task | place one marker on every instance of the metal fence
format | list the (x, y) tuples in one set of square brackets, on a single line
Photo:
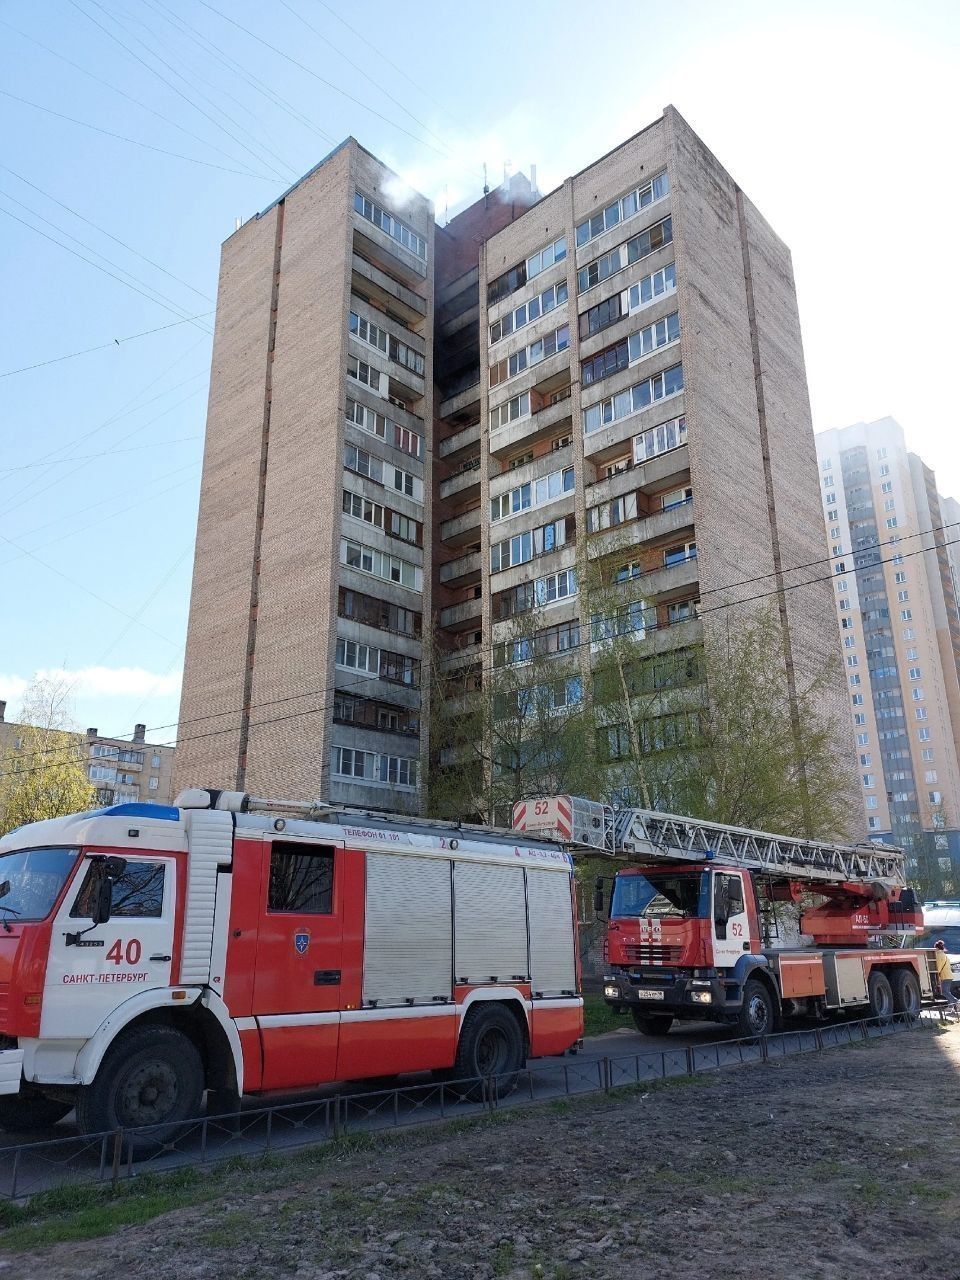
[(111, 1158)]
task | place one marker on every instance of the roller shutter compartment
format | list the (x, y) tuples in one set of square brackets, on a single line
[(491, 923), (552, 963), (408, 936)]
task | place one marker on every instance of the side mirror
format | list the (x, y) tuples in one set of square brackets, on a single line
[(5, 888), (598, 896), (110, 871)]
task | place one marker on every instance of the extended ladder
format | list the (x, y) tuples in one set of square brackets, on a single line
[(649, 834)]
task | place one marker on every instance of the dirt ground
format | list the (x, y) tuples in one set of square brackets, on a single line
[(837, 1167)]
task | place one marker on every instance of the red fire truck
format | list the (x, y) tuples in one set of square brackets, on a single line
[(150, 954), (692, 929)]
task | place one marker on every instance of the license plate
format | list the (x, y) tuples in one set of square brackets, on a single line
[(649, 995)]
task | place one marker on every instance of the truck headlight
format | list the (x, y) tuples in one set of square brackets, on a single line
[(701, 997), (611, 992)]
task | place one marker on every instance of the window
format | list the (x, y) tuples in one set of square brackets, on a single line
[(680, 554), (529, 311), (914, 672), (927, 754), (862, 740), (349, 762), (860, 718), (154, 784), (528, 545), (546, 257), (892, 522), (137, 894), (917, 694), (301, 878), (857, 699), (869, 780), (610, 514), (393, 227), (873, 823), (656, 285), (884, 470), (101, 773), (854, 681), (622, 209), (906, 615), (903, 597), (101, 751), (923, 734), (930, 775), (405, 528), (511, 411), (826, 464), (682, 611), (363, 463), (634, 399), (357, 657), (660, 439), (900, 576), (846, 624), (155, 761), (601, 316), (887, 486), (934, 797), (381, 564), (362, 509), (920, 713), (631, 349), (362, 373), (849, 641), (532, 494), (853, 660), (536, 594), (529, 356), (676, 498), (561, 442), (870, 802), (655, 237), (889, 505), (828, 482)]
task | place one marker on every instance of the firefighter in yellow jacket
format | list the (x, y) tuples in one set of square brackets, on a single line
[(945, 975)]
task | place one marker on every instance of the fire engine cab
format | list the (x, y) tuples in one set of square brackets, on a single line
[(229, 945)]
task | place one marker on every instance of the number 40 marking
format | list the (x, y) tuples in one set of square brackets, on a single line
[(131, 953)]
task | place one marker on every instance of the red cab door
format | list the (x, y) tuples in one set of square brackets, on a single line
[(296, 988)]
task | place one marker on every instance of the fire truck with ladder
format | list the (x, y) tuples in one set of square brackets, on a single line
[(226, 945), (692, 929)]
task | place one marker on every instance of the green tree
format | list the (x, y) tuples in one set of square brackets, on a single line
[(44, 776)]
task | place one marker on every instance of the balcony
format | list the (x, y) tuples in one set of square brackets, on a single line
[(461, 572), (612, 440), (462, 529), (555, 460), (675, 580), (375, 246), (462, 616), (461, 396), (649, 476), (372, 283), (468, 438), (465, 482), (658, 524), (542, 423)]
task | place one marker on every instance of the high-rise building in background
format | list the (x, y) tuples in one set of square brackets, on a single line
[(414, 432), (895, 581)]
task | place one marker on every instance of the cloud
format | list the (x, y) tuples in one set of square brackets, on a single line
[(98, 682)]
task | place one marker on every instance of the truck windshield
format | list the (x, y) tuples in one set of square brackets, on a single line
[(35, 877), (660, 893)]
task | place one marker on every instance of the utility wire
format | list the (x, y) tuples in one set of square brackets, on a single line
[(174, 308), (103, 231), (216, 123), (114, 342), (148, 146), (346, 685), (123, 94), (310, 72), (211, 48), (106, 453)]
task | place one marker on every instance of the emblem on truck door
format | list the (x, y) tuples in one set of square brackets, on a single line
[(301, 941)]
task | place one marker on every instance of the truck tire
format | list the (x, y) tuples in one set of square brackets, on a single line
[(906, 991), (758, 1013), (880, 996), (491, 1044), (150, 1076), (21, 1113), (652, 1024)]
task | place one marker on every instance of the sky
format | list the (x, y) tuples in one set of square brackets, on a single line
[(136, 132)]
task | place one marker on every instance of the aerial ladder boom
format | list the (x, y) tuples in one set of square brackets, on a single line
[(650, 835)]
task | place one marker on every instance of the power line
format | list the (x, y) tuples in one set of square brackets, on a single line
[(123, 94), (347, 685), (357, 67), (123, 244), (135, 141), (114, 342), (174, 308), (210, 47), (310, 72), (216, 123), (106, 453)]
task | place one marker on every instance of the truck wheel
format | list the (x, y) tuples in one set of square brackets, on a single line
[(652, 1024), (20, 1114), (880, 995), (150, 1076), (757, 1016), (906, 991), (491, 1044)]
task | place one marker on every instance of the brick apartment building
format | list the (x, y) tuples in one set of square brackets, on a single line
[(895, 566), (412, 430), (123, 770)]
